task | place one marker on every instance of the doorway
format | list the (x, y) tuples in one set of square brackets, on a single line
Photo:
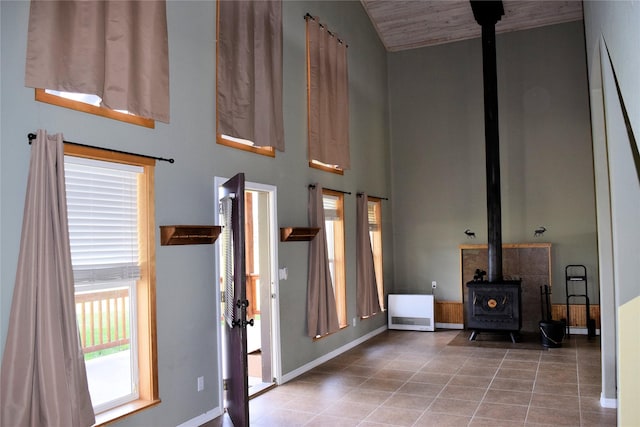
[(263, 338), (259, 290)]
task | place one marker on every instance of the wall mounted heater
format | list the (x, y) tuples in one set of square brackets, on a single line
[(411, 312)]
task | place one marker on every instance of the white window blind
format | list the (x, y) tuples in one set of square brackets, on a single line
[(103, 216), (372, 215), (330, 205)]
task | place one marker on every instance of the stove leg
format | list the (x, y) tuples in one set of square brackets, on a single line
[(473, 336), (514, 337)]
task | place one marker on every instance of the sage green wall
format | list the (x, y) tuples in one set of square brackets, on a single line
[(438, 162), (186, 277), (369, 160)]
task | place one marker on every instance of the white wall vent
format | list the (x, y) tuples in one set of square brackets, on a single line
[(412, 312)]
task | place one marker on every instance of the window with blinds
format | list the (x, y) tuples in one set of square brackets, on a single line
[(333, 203), (109, 198), (102, 208), (374, 213)]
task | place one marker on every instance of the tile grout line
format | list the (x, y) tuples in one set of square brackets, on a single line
[(488, 387), (380, 405), (533, 387), (420, 370), (453, 374), (409, 379), (578, 382)]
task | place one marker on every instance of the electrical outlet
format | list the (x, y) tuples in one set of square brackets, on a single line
[(433, 284), (200, 383), (354, 321)]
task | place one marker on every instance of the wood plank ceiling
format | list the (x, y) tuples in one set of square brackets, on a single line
[(409, 24)]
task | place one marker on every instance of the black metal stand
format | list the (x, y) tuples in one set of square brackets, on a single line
[(575, 274)]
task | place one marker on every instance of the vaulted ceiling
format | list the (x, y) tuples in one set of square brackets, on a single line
[(408, 24)]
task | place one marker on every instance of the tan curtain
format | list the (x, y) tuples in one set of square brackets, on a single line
[(366, 285), (249, 98), (43, 380), (328, 97), (115, 49), (322, 315)]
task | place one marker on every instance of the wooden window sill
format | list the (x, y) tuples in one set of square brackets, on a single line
[(265, 151), (48, 98), (120, 412), (328, 335), (321, 167)]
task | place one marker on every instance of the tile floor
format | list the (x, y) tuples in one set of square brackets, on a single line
[(403, 378)]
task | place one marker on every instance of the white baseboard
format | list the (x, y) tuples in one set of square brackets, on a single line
[(449, 325), (574, 330), (202, 418), (320, 360), (608, 403)]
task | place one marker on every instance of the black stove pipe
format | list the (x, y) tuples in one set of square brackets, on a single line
[(487, 14)]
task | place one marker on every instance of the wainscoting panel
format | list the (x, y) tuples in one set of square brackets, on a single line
[(578, 315), (449, 312), (452, 312)]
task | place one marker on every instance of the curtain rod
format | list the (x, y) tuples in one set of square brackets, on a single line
[(32, 136), (369, 195), (330, 189), (309, 16)]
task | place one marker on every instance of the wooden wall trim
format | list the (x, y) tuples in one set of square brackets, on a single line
[(506, 245)]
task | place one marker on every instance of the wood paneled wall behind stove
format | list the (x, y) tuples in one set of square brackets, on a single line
[(530, 262)]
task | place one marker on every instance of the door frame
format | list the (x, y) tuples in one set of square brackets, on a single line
[(276, 359)]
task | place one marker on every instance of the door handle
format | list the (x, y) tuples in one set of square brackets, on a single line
[(240, 303), (242, 323)]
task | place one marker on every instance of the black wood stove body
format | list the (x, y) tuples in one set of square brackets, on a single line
[(494, 307), (494, 304)]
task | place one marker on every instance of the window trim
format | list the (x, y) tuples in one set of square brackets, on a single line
[(340, 283), (48, 98), (146, 286)]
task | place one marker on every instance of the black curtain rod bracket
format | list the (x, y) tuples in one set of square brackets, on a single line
[(371, 195), (32, 136), (330, 189)]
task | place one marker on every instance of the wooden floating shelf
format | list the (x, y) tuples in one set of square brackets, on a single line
[(189, 234), (298, 234)]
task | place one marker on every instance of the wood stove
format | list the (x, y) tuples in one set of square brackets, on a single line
[(494, 307), (494, 304)]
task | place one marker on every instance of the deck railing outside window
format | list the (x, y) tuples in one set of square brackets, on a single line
[(103, 319)]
